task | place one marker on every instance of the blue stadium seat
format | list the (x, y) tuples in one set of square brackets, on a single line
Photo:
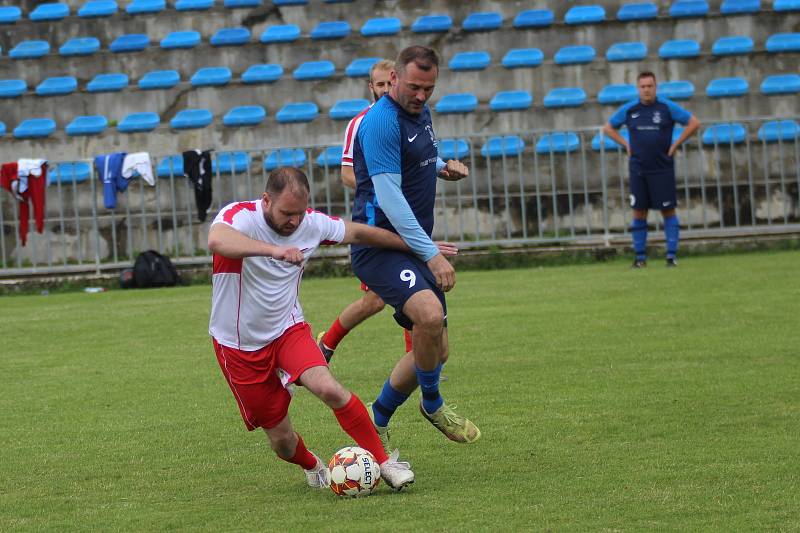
[(734, 45), (585, 15), (724, 133), (290, 2), (211, 76), (246, 115), (77, 172), (681, 48), (453, 148), (180, 39), (676, 90), (230, 37), (607, 142), (314, 70), (347, 109), (98, 8), (617, 94), (10, 14), (381, 26), (12, 88), (234, 4), (2, 128), (285, 33), (87, 125), (509, 145), (337, 1), (786, 5), (483, 21), (111, 82), (139, 122), (80, 46), (334, 29), (170, 166), (266, 73), (565, 97), (737, 7), (188, 119), (779, 130), (688, 8), (574, 55), (135, 42), (159, 79), (141, 7), (330, 157), (637, 11), (534, 18), (558, 143), (781, 84), (285, 157), (30, 50), (457, 103), (49, 12), (297, 112), (35, 128), (56, 86), (633, 51), (727, 87), (432, 24), (478, 60), (193, 5), (511, 101), (360, 67), (230, 163), (783, 42), (523, 57)]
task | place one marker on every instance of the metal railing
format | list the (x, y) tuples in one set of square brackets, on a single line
[(541, 193)]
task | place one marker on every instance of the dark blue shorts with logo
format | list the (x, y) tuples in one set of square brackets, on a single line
[(653, 189)]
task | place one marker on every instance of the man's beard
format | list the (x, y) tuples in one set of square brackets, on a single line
[(275, 228)]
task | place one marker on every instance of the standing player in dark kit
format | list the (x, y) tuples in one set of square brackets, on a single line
[(650, 121)]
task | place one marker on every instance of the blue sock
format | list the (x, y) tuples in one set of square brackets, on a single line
[(672, 230), (429, 385), (386, 404), (639, 235)]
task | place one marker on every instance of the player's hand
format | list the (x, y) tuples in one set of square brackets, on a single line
[(672, 150), (454, 171), (290, 255), (628, 148), (447, 249), (443, 271)]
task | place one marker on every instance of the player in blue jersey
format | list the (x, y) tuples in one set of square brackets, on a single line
[(396, 163), (650, 121)]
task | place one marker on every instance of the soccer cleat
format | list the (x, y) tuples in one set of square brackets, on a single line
[(383, 431), (327, 352), (639, 263), (318, 477), (396, 474), (672, 262), (454, 426)]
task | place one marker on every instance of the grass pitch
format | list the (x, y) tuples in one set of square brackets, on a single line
[(609, 399)]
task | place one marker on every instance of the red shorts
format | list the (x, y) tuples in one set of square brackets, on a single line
[(258, 379)]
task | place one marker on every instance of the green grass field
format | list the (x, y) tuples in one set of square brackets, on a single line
[(609, 399)]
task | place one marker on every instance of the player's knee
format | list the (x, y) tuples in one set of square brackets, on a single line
[(330, 391), (430, 320), (282, 443), (372, 304)]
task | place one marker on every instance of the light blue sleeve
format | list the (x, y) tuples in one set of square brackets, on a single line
[(679, 114), (379, 134), (394, 205), (617, 120), (440, 164)]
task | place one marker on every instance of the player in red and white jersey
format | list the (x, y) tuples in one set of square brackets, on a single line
[(260, 337), (370, 303)]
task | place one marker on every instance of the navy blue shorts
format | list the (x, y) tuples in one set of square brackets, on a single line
[(395, 277), (653, 189)]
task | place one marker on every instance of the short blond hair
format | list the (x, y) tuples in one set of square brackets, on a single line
[(384, 64)]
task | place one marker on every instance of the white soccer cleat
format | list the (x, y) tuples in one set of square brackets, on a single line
[(396, 474), (318, 477)]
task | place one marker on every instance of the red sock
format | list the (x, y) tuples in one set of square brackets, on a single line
[(302, 456), (334, 335), (407, 337), (355, 421)]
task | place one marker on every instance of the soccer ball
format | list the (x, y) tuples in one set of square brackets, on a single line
[(354, 472)]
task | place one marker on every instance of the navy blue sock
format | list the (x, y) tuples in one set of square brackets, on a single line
[(386, 404), (639, 236), (672, 230), (429, 385)]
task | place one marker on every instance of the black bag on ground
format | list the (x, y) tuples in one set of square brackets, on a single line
[(152, 269)]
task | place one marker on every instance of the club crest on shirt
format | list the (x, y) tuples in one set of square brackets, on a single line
[(432, 135), (657, 117)]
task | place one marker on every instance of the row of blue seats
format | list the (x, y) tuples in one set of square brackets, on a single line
[(495, 147), (479, 21)]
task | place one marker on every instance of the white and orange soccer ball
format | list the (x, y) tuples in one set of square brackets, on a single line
[(354, 472)]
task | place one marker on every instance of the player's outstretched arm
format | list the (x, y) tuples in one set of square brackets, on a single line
[(228, 242), (612, 132), (355, 233), (688, 131)]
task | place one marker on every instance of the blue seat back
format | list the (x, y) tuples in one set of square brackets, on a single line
[(134, 42), (180, 39), (679, 48), (314, 70), (724, 133), (360, 67), (211, 76), (483, 21), (381, 26), (617, 94), (87, 125), (230, 37), (630, 51), (477, 60), (57, 85), (736, 7), (637, 11), (10, 14), (688, 8), (565, 97), (137, 122), (80, 46), (69, 172), (335, 29), (534, 18), (98, 8), (781, 84), (726, 87), (30, 50), (246, 115), (12, 88), (523, 57), (347, 109), (297, 112), (604, 142), (170, 166), (577, 54), (159, 79), (285, 157), (266, 73), (191, 119), (783, 42), (432, 24), (779, 130), (230, 163), (114, 81), (558, 142), (676, 90), (585, 14), (284, 33), (786, 5), (139, 7), (193, 5), (35, 128), (49, 12), (733, 45), (508, 145), (453, 149), (457, 103), (330, 157), (511, 101)]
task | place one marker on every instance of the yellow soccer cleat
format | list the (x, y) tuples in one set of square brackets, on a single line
[(453, 425)]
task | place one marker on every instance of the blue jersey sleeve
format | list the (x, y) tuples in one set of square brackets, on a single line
[(379, 133), (679, 114), (617, 120)]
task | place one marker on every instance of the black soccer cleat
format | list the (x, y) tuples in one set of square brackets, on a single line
[(327, 352), (639, 263), (672, 262)]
